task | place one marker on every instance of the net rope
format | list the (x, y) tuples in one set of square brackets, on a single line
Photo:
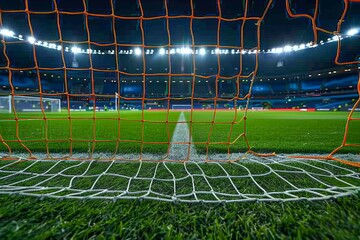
[(276, 179), (24, 174)]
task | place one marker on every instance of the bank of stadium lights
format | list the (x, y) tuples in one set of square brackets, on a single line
[(183, 51)]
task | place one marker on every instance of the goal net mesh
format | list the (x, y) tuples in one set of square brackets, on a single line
[(119, 155)]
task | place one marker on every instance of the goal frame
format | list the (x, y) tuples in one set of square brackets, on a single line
[(38, 99)]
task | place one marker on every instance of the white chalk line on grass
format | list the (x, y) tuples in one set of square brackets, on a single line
[(181, 142)]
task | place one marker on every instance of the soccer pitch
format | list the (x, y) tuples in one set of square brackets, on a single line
[(280, 132), (108, 217)]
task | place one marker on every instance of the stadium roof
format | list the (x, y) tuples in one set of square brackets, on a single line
[(280, 34)]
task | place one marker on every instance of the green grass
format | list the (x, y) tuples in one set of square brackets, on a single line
[(25, 217), (33, 218), (280, 132), (106, 129)]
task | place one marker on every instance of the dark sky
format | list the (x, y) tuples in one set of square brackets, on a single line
[(276, 29)]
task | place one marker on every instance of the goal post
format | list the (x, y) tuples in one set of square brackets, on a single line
[(29, 104)]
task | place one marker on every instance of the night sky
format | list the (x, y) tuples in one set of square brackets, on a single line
[(277, 29), (192, 23)]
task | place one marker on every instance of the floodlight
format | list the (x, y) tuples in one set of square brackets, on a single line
[(52, 45), (75, 50), (137, 51), (7, 32), (295, 47), (287, 48), (302, 46), (162, 51), (352, 32), (202, 51), (185, 50), (31, 40), (279, 50)]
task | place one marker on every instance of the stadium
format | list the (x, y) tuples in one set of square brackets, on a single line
[(179, 119)]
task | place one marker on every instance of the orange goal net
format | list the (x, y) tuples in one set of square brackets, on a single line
[(132, 99), (96, 71)]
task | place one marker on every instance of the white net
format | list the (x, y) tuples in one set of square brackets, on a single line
[(70, 149), (280, 178)]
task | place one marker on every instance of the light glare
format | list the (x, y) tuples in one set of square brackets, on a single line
[(162, 51), (31, 40), (137, 51), (75, 50), (352, 32), (7, 32), (287, 48)]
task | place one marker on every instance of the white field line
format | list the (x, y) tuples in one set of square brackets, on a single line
[(180, 143)]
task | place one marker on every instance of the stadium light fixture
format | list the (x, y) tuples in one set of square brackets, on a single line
[(7, 33), (295, 47), (202, 51), (52, 45), (137, 51), (31, 40), (75, 50), (185, 50), (352, 32), (162, 51), (302, 46), (287, 48), (279, 50)]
